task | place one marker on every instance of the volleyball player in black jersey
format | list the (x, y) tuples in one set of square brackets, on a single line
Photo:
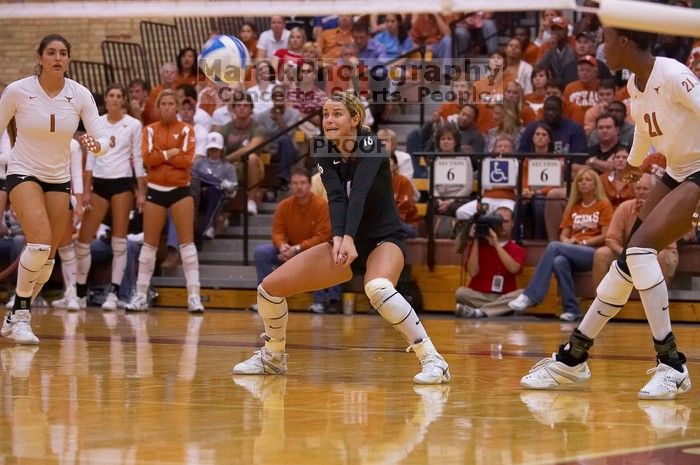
[(367, 237)]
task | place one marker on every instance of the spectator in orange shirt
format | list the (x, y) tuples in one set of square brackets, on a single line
[(619, 233), (331, 41), (187, 70), (140, 107), (301, 221), (539, 79), (617, 189), (403, 196), (530, 50), (581, 95), (434, 32), (583, 229), (585, 44), (168, 80)]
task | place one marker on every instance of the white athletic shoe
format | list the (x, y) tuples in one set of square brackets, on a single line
[(666, 383), (521, 303), (17, 327), (434, 368), (75, 303), (110, 303), (263, 362), (194, 304), (18, 360), (549, 373), (138, 303)]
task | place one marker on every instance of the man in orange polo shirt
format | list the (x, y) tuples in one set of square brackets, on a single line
[(301, 221)]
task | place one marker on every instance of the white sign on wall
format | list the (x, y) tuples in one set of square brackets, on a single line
[(544, 172)]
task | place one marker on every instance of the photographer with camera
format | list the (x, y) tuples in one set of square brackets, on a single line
[(492, 263)]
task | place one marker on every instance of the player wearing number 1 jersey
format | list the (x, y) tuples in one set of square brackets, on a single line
[(666, 110), (47, 108)]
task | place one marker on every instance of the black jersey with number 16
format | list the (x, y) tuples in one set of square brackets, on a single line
[(360, 193)]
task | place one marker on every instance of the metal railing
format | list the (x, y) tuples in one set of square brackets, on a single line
[(244, 173), (93, 75), (477, 158), (125, 59), (161, 45)]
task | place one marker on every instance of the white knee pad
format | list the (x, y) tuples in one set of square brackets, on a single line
[(82, 254), (380, 292), (147, 259), (615, 288), (190, 266), (644, 268), (188, 253), (34, 256), (270, 307), (118, 246)]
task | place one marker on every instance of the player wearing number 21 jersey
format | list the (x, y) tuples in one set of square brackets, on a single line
[(667, 117)]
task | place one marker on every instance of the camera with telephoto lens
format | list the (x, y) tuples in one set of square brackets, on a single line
[(483, 223)]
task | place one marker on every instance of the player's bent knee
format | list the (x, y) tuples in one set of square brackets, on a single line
[(381, 293), (35, 256), (644, 267), (603, 255)]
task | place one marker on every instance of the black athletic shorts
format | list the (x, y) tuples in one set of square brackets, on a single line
[(13, 180), (107, 188), (365, 247), (672, 183), (167, 198)]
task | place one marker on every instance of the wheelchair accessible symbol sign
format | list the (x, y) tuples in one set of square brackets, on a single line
[(499, 172)]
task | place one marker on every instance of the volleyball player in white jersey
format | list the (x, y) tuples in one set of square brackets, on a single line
[(112, 180), (47, 108), (69, 264), (665, 98)]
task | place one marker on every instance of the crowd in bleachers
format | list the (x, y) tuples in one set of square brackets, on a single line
[(548, 92)]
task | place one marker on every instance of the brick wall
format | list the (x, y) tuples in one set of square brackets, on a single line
[(20, 39)]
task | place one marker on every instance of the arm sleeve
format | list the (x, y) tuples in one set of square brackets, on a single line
[(337, 199), (640, 146), (151, 156), (8, 106), (5, 150), (322, 233), (366, 172), (136, 154), (76, 167), (90, 161), (186, 156), (93, 124)]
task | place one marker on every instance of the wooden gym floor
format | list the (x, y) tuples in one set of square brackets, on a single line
[(156, 388)]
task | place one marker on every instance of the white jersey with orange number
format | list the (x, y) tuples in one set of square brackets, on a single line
[(667, 116), (123, 151), (45, 127)]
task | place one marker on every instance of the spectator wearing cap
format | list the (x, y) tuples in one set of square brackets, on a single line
[(561, 52), (217, 180), (582, 94), (585, 45)]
